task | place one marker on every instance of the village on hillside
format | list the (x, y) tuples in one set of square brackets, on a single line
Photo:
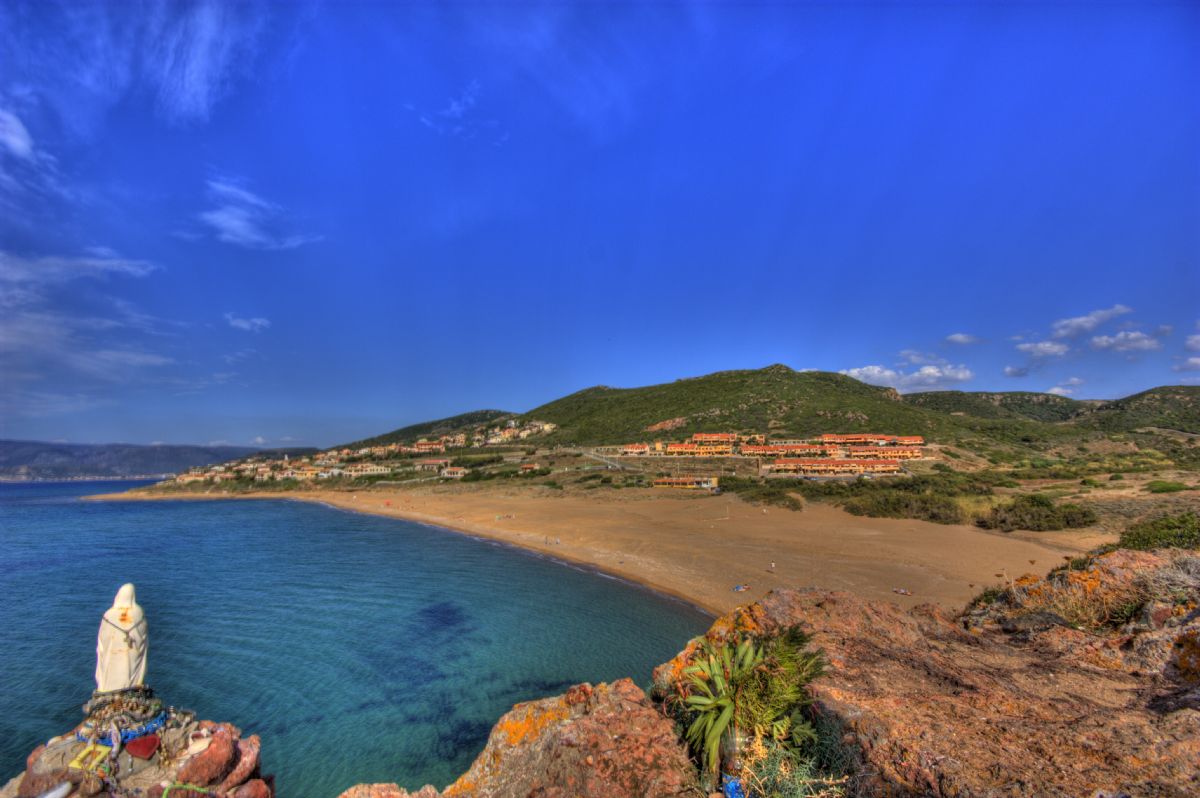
[(826, 456)]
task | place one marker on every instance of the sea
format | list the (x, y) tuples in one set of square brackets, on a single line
[(361, 649)]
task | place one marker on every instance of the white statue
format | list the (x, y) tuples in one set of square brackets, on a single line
[(122, 643)]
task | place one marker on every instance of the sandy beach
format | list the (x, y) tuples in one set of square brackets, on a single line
[(699, 547)]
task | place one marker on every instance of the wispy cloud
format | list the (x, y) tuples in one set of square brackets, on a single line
[(1043, 349), (461, 118), (41, 339), (245, 219), (1016, 371), (16, 270), (256, 324), (1192, 344), (186, 56), (1080, 325), (1127, 341), (963, 339)]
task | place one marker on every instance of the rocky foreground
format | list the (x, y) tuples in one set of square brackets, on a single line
[(1009, 699), (195, 758)]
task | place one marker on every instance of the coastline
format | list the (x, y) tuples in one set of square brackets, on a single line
[(686, 547)]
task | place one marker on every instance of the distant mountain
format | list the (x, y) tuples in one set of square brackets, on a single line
[(40, 460), (432, 429)]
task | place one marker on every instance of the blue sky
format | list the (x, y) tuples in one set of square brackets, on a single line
[(304, 223)]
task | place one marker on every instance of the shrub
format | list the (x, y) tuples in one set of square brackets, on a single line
[(900, 504), (1038, 514), (1181, 530), (776, 492), (1163, 486), (1116, 478)]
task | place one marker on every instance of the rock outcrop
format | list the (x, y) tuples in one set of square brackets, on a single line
[(592, 742), (941, 705)]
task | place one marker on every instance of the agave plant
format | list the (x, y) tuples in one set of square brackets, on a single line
[(715, 681), (760, 689)]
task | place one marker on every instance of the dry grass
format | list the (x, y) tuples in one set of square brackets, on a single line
[(1083, 599)]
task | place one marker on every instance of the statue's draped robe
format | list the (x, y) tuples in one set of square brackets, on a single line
[(121, 644)]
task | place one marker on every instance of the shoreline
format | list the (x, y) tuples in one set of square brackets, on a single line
[(670, 544)]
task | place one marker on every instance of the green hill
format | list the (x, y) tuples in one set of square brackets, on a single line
[(464, 422), (1174, 407), (1016, 404), (775, 399)]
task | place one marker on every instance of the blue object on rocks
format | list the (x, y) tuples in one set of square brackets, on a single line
[(733, 787)]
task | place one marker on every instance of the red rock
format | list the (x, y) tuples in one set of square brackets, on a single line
[(33, 755), (247, 763), (255, 788), (213, 763)]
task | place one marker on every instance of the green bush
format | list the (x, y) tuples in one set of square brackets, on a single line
[(1038, 514), (1181, 530), (1116, 478), (1163, 486)]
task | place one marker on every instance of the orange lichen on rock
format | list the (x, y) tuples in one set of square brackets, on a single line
[(1187, 655), (531, 719)]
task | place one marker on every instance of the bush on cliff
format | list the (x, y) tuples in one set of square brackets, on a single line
[(1038, 514)]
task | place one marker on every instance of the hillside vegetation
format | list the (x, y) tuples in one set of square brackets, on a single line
[(432, 429)]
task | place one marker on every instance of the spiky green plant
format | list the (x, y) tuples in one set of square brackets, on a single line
[(715, 680)]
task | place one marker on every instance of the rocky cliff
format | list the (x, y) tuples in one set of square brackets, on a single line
[(1008, 699)]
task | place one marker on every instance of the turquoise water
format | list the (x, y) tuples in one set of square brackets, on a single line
[(362, 649)]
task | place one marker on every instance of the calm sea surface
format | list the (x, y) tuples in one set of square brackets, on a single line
[(362, 649)]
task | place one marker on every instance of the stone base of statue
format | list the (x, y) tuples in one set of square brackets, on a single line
[(131, 744)]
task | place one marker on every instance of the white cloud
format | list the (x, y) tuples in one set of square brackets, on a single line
[(926, 377), (1066, 387), (1016, 371), (258, 440), (14, 137), (1193, 343), (1191, 364), (1078, 325), (1043, 349), (961, 338), (256, 324), (1127, 341), (245, 219)]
